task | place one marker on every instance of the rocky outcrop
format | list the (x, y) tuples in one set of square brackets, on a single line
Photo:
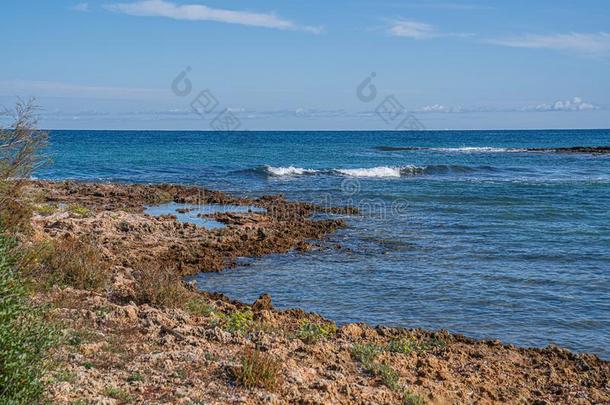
[(117, 351)]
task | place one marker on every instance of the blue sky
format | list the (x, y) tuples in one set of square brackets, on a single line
[(297, 65)]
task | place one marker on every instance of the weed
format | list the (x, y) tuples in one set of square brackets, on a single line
[(135, 377), (366, 353), (46, 209), (388, 375), (199, 307), (79, 210), (310, 332), (118, 394), (412, 399), (65, 376), (257, 369), (404, 346), (239, 321)]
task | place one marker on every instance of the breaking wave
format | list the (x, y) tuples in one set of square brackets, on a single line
[(464, 149), (370, 172)]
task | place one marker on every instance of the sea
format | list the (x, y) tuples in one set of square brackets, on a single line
[(459, 230)]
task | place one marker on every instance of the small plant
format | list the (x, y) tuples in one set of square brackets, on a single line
[(437, 342), (199, 307), (389, 377), (310, 332), (412, 399), (118, 394), (366, 353), (46, 209), (239, 321), (135, 377), (79, 210), (404, 346), (257, 369)]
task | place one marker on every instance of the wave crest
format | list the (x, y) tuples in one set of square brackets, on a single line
[(288, 171), (373, 172)]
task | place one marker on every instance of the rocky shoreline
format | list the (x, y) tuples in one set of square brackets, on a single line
[(121, 350)]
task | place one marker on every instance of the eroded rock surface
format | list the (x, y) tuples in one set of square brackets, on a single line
[(121, 352)]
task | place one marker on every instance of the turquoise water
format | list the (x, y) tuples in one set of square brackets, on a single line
[(468, 232), (192, 213)]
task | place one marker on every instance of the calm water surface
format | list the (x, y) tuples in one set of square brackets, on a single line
[(468, 233)]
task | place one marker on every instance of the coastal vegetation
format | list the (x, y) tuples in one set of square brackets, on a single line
[(25, 333), (257, 369)]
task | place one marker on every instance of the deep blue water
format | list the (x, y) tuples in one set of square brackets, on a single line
[(471, 234)]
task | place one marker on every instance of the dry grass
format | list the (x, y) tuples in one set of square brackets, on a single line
[(161, 287), (69, 261), (257, 369)]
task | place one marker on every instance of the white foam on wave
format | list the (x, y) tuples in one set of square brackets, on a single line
[(478, 149), (381, 171), (288, 171)]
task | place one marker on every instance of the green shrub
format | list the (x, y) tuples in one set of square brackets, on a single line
[(310, 332), (239, 321), (366, 353), (25, 337)]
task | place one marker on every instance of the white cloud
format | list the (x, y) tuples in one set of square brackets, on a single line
[(590, 43), (576, 104), (439, 108), (82, 7), (412, 29), (418, 30), (27, 88), (199, 12)]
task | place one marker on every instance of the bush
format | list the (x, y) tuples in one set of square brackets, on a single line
[(257, 369), (161, 287), (24, 337), (20, 148), (239, 321), (70, 262)]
